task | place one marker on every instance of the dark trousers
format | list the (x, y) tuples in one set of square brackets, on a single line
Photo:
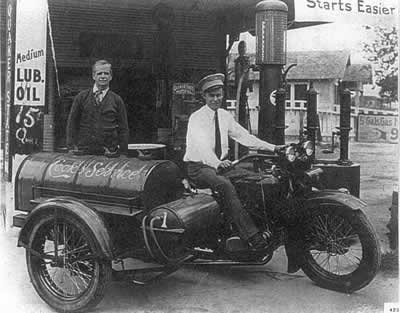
[(205, 176)]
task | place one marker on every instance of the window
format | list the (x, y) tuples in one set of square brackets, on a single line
[(288, 89), (337, 96), (288, 95), (296, 95), (300, 92), (300, 95)]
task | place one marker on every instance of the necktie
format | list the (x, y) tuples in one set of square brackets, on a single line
[(218, 148), (97, 96)]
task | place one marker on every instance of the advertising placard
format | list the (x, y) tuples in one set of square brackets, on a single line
[(30, 53), (30, 74), (371, 12), (183, 89), (378, 128)]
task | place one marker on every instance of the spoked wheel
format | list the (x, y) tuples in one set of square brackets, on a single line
[(64, 268), (341, 249)]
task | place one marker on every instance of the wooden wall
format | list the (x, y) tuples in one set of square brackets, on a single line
[(195, 34)]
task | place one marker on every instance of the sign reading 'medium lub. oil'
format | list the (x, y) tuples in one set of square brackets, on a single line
[(30, 74), (30, 53)]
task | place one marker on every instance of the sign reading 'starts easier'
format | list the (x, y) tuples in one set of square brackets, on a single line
[(378, 128), (30, 52), (368, 12)]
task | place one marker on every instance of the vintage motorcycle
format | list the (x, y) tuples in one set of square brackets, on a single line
[(90, 218)]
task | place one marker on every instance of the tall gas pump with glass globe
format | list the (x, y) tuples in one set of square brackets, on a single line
[(271, 27)]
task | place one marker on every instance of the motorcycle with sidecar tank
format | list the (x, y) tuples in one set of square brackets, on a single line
[(90, 218)]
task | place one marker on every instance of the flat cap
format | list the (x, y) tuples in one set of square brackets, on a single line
[(211, 81)]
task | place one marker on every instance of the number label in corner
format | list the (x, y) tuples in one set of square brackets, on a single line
[(390, 307)]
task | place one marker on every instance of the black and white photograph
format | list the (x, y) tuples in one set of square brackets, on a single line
[(199, 156)]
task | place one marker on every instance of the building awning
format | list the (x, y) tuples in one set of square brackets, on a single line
[(239, 15)]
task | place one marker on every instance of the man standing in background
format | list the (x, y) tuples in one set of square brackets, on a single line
[(97, 122)]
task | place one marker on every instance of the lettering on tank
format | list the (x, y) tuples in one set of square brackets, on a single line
[(63, 168)]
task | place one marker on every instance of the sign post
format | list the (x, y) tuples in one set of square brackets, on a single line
[(6, 113), (7, 130)]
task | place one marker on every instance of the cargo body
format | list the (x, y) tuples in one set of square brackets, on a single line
[(115, 185)]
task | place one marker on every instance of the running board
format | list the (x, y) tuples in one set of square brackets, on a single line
[(264, 261)]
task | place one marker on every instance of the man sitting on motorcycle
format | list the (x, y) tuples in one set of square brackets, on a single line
[(207, 148)]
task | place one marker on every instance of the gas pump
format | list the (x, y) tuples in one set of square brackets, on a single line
[(271, 27), (341, 173)]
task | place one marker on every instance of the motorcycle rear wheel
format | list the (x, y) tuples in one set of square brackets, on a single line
[(341, 249)]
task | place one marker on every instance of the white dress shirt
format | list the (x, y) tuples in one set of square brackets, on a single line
[(102, 93), (200, 138)]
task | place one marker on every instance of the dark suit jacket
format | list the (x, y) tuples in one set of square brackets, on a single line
[(93, 127)]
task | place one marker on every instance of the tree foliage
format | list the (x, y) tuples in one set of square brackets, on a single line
[(383, 53)]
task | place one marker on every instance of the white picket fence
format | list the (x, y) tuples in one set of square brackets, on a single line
[(296, 118)]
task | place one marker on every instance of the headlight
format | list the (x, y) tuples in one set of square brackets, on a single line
[(290, 154), (308, 148)]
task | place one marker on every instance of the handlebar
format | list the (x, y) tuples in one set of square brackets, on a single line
[(253, 156)]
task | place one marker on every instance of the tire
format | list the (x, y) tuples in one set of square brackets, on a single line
[(346, 237), (77, 281)]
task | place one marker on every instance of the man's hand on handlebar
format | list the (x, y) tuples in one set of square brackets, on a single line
[(224, 165), (279, 149)]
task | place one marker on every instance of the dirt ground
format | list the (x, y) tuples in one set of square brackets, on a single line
[(379, 168), (266, 289)]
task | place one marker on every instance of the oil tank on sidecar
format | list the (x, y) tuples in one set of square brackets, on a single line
[(112, 185)]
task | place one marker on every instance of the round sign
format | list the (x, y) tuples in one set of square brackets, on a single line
[(272, 97)]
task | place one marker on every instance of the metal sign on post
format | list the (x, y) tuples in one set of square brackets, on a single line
[(378, 128), (272, 97), (30, 74)]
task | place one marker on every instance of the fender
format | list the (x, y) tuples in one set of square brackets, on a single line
[(314, 199), (334, 197), (60, 205)]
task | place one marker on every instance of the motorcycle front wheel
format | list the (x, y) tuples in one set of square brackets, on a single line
[(340, 248), (64, 268)]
